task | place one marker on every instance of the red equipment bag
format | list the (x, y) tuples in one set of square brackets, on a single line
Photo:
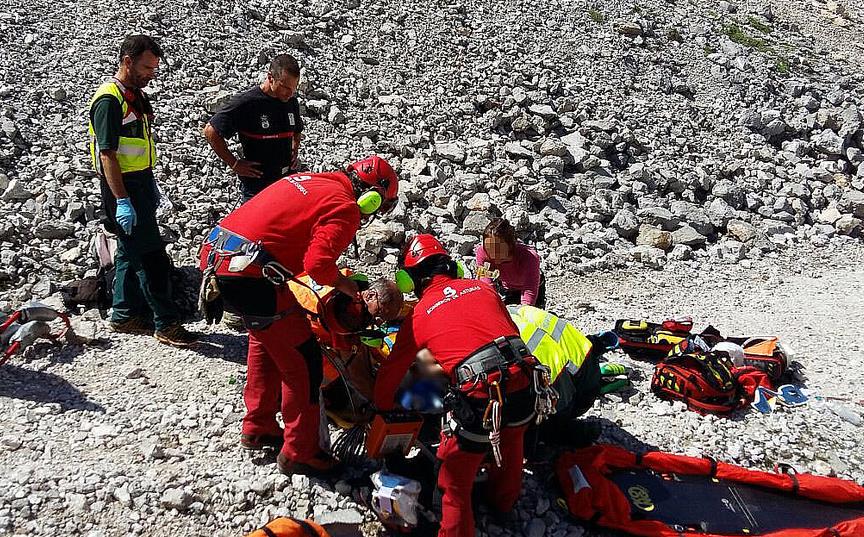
[(705, 382), (664, 495)]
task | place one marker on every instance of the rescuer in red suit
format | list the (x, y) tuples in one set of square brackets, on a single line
[(466, 328), (300, 224)]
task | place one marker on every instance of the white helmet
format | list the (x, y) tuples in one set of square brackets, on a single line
[(735, 351)]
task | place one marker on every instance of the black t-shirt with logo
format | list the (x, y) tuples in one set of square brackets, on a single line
[(266, 128)]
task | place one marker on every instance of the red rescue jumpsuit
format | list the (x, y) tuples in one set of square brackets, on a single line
[(454, 318), (305, 222)]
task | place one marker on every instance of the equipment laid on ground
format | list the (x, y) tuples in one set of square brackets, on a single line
[(24, 326), (395, 500), (664, 495), (651, 341), (705, 382)]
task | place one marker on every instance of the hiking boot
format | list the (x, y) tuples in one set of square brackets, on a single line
[(321, 465), (257, 442), (132, 325), (176, 336)]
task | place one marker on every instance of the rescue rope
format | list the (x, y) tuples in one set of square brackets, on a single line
[(495, 433)]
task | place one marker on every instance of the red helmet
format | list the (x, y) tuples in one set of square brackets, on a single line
[(378, 173), (421, 248)]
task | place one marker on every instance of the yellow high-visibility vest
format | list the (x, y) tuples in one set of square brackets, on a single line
[(552, 340), (136, 150)]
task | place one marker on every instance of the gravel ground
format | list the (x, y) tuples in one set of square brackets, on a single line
[(720, 142), (138, 437)]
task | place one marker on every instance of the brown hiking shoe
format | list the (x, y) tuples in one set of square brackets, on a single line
[(321, 465), (176, 336), (132, 325), (257, 442)]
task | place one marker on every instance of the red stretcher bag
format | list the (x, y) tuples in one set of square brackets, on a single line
[(664, 495)]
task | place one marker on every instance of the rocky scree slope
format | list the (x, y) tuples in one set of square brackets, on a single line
[(610, 134)]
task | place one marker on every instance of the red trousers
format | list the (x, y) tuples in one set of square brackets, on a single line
[(456, 480), (284, 363)]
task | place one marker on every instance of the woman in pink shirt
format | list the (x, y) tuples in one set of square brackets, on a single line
[(519, 280)]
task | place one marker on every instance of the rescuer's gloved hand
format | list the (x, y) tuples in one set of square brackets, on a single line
[(125, 215)]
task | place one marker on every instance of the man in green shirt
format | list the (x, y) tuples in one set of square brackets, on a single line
[(123, 152)]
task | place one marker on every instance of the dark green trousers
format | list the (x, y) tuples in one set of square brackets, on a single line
[(142, 279)]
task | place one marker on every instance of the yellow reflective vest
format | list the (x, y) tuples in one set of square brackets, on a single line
[(136, 150), (552, 340)]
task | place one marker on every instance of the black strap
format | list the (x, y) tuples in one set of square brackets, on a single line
[(268, 531), (639, 457), (713, 462), (307, 528), (595, 517), (795, 485)]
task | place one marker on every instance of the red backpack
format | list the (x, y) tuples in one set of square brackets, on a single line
[(705, 382)]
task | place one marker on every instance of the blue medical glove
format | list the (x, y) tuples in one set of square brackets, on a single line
[(126, 216)]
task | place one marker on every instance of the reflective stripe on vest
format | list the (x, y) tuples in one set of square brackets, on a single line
[(553, 341), (133, 154)]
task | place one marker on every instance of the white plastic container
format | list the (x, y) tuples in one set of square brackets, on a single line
[(395, 499)]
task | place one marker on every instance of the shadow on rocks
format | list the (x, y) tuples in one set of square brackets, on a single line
[(60, 352), (228, 347), (612, 433), (43, 387)]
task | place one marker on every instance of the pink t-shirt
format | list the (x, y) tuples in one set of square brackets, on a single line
[(521, 273)]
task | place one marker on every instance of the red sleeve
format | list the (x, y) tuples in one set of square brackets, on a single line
[(393, 370), (330, 237), (532, 282), (480, 258)]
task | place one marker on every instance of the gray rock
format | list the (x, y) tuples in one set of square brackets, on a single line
[(649, 256), (850, 121), (340, 516), (658, 216), (828, 142), (732, 251), (16, 191), (53, 229), (656, 238), (475, 223), (175, 498), (78, 502), (848, 225), (828, 216), (719, 212), (681, 252), (536, 528), (335, 116), (631, 29), (741, 230), (452, 151), (626, 224), (852, 202), (543, 110), (516, 149), (575, 144), (687, 235), (553, 147)]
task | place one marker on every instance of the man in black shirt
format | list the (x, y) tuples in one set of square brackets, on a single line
[(267, 120)]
